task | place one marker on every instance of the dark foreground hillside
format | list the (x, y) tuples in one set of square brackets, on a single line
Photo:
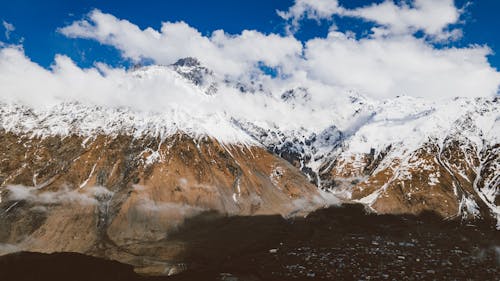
[(331, 244)]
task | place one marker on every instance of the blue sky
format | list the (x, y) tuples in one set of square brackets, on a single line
[(36, 23)]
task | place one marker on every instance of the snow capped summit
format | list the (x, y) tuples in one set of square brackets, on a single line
[(187, 62), (191, 69), (295, 96)]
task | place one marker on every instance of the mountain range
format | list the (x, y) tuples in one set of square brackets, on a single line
[(113, 181)]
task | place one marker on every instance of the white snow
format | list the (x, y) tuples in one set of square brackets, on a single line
[(371, 198), (84, 183), (469, 206)]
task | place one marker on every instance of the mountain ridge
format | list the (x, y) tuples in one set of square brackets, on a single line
[(114, 181), (366, 139)]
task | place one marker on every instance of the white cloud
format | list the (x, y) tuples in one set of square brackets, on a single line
[(224, 53), (387, 67), (310, 9), (433, 17), (9, 27)]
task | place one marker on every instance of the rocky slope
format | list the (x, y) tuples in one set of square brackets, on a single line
[(103, 193)]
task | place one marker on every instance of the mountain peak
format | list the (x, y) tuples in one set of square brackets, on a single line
[(191, 69), (187, 61)]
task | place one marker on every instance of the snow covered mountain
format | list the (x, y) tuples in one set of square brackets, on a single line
[(120, 177), (238, 148), (399, 155)]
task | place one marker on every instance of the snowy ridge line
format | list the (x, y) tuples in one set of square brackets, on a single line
[(404, 124), (88, 120), (188, 97), (475, 120), (395, 128)]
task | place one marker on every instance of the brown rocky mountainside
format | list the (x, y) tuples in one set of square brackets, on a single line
[(106, 195)]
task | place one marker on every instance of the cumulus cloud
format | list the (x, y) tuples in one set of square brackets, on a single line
[(387, 67), (222, 52), (378, 66), (156, 89), (433, 17), (324, 199), (9, 27), (310, 9)]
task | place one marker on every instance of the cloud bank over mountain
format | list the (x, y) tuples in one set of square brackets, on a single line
[(388, 61)]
